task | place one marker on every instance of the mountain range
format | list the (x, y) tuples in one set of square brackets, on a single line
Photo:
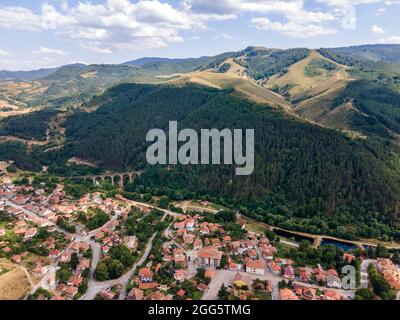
[(327, 125)]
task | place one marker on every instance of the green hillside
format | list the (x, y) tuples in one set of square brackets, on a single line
[(306, 177)]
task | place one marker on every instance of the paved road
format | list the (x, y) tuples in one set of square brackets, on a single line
[(226, 277), (95, 287), (364, 272), (96, 249)]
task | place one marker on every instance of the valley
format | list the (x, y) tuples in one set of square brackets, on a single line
[(327, 170)]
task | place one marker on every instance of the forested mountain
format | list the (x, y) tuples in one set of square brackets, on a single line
[(30, 75), (72, 85), (164, 66), (376, 52), (302, 171), (344, 182)]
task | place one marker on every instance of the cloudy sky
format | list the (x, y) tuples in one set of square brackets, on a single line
[(35, 34)]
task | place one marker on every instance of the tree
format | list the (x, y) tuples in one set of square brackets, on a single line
[(74, 261), (201, 273), (381, 251), (163, 202), (223, 293), (396, 258), (11, 168), (147, 197), (101, 273), (115, 269), (380, 285), (122, 254), (364, 294), (64, 274), (224, 261)]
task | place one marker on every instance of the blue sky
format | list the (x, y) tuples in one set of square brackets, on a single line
[(36, 34)]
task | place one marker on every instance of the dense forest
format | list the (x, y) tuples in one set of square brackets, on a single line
[(377, 52), (31, 126), (262, 63), (305, 177), (379, 105)]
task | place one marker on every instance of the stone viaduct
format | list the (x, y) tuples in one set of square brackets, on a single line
[(114, 178)]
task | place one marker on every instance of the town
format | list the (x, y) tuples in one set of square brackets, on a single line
[(99, 246)]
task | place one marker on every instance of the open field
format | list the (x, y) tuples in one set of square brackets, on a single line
[(14, 283), (302, 84), (235, 78)]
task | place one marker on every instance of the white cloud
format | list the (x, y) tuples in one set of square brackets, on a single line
[(299, 21), (50, 52), (292, 29), (109, 26), (222, 36), (235, 7), (377, 30), (391, 40), (4, 53), (346, 10), (380, 11)]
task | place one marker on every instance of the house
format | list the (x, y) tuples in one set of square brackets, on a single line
[(348, 257), (333, 282), (179, 225), (105, 249), (255, 266), (310, 293), (180, 293), (190, 224), (249, 244), (232, 266), (241, 281), (202, 287), (197, 244), (274, 268), (83, 265), (188, 238), (16, 258), (30, 233), (333, 295), (180, 275), (252, 254), (288, 272), (66, 256), (7, 250), (54, 254), (71, 291), (107, 294), (209, 274), (332, 272), (147, 285), (287, 294), (390, 271), (75, 281), (146, 275), (135, 294), (209, 257), (268, 251), (304, 276), (156, 296), (204, 230), (131, 242)]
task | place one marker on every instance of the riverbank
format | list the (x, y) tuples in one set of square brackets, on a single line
[(318, 240)]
